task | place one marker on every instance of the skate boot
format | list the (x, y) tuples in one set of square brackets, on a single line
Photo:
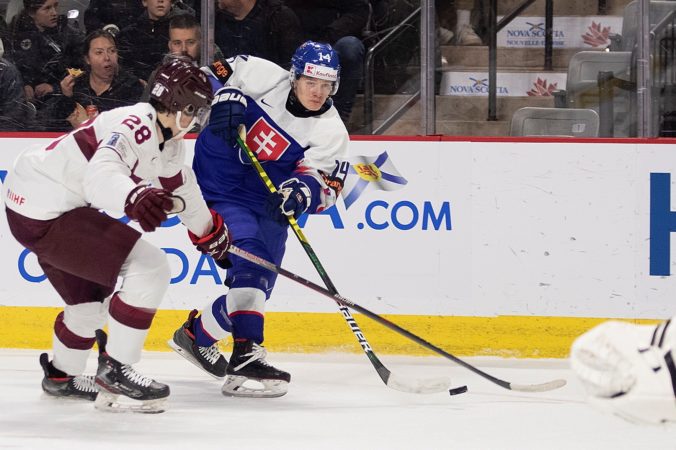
[(139, 393), (248, 365), (59, 384), (208, 359)]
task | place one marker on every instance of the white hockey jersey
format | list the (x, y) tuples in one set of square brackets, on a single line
[(98, 164), (313, 147)]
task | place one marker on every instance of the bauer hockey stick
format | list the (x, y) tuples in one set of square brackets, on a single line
[(390, 380), (542, 387)]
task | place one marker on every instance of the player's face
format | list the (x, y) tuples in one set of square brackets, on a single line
[(185, 42), (46, 16), (312, 92), (157, 8), (102, 58)]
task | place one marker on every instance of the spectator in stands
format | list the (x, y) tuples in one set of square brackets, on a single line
[(264, 28), (4, 35), (113, 15), (340, 23), (143, 44), (447, 15), (101, 87), (15, 112), (185, 37), (43, 45), (476, 32)]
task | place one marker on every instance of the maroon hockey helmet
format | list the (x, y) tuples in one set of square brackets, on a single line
[(181, 87)]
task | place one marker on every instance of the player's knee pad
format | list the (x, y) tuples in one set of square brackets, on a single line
[(146, 276), (85, 318)]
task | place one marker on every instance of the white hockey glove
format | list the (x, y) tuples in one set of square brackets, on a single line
[(628, 370), (291, 199)]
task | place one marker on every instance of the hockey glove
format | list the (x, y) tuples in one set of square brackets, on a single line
[(148, 206), (216, 243), (227, 113), (292, 199)]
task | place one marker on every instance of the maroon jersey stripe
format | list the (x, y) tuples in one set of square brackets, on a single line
[(86, 140), (131, 316), (172, 183), (70, 339)]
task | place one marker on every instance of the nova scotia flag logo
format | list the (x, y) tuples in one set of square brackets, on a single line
[(366, 171)]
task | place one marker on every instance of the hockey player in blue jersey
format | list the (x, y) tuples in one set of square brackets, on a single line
[(301, 141)]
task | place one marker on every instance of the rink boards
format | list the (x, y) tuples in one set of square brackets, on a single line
[(491, 247)]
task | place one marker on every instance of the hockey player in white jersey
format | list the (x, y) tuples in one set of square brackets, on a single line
[(629, 370), (129, 160), (298, 136)]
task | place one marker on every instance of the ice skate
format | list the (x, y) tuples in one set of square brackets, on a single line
[(249, 375), (123, 389), (208, 359), (59, 384)]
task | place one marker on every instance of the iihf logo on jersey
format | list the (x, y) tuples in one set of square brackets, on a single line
[(266, 142)]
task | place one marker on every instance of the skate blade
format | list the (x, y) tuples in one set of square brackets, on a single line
[(178, 349), (109, 402), (238, 386), (64, 398)]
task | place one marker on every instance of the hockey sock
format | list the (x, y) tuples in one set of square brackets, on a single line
[(217, 324)]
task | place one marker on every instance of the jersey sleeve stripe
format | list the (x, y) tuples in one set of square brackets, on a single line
[(86, 141)]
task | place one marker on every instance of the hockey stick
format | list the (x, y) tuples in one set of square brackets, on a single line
[(542, 387), (400, 384)]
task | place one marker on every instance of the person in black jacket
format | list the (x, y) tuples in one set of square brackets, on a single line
[(43, 45), (102, 86), (264, 28), (340, 23), (15, 112), (143, 44), (116, 13)]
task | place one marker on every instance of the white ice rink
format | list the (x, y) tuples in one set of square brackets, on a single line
[(334, 402)]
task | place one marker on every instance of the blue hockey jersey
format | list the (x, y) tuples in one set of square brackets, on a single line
[(312, 149)]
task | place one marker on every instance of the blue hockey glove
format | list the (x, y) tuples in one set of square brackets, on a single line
[(292, 199), (227, 113)]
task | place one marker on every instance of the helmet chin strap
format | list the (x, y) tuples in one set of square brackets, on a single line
[(183, 131)]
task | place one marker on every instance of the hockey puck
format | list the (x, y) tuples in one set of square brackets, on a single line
[(458, 390)]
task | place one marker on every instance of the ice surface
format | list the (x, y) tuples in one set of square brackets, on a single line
[(334, 402)]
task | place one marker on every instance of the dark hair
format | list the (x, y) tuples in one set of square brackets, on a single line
[(86, 44), (183, 22), (32, 5), (95, 35)]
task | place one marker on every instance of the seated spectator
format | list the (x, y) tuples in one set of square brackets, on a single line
[(185, 38), (102, 86), (15, 112), (43, 45), (476, 32), (143, 44), (340, 23), (113, 15), (264, 28), (4, 35)]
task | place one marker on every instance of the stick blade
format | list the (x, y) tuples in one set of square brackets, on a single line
[(543, 387), (419, 386)]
